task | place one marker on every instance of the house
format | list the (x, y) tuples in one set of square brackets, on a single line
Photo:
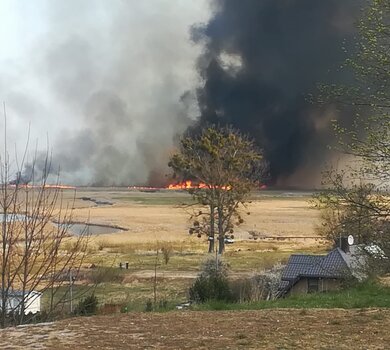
[(319, 273), (32, 301)]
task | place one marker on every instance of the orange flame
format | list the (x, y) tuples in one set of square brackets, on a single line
[(143, 188), (183, 185), (61, 187), (188, 184), (58, 186)]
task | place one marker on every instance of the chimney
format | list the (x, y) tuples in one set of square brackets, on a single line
[(343, 244)]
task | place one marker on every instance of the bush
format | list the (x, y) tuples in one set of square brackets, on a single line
[(212, 284), (264, 286), (149, 306), (210, 288), (87, 306), (167, 251), (245, 290)]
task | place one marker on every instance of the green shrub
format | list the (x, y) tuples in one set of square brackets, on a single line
[(87, 306), (149, 306), (212, 283), (210, 288)]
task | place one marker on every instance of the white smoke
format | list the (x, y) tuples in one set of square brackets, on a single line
[(102, 80)]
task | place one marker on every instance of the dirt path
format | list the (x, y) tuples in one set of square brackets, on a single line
[(264, 329), (147, 274)]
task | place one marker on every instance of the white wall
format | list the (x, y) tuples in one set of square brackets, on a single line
[(32, 303)]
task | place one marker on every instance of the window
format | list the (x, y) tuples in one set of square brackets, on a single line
[(312, 285)]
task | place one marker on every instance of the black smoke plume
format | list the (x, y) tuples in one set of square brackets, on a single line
[(262, 59)]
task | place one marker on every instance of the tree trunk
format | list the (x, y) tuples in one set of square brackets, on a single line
[(221, 245), (4, 285), (221, 234), (211, 245), (212, 226), (155, 281)]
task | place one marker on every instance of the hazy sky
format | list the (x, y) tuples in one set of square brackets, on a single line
[(104, 80)]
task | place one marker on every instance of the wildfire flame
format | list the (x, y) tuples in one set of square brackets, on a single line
[(182, 185), (144, 188), (57, 187), (188, 184), (61, 187)]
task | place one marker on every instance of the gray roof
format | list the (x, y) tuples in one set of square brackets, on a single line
[(336, 264), (332, 265), (284, 284)]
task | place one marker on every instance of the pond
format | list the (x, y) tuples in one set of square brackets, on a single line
[(12, 217)]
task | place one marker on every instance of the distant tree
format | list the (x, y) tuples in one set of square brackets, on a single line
[(226, 165), (352, 210), (348, 211), (368, 96), (356, 200)]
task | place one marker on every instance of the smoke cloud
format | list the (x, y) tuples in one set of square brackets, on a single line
[(104, 81), (113, 84), (261, 60)]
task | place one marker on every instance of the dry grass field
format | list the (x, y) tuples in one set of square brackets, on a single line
[(156, 219), (160, 216), (263, 329), (153, 220)]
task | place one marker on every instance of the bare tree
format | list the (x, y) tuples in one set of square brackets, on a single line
[(37, 252)]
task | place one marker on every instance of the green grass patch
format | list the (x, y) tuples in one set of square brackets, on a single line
[(362, 296), (133, 296), (187, 256), (253, 260)]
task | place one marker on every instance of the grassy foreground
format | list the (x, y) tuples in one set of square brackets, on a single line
[(365, 295)]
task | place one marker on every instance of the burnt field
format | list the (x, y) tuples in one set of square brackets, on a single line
[(264, 329)]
